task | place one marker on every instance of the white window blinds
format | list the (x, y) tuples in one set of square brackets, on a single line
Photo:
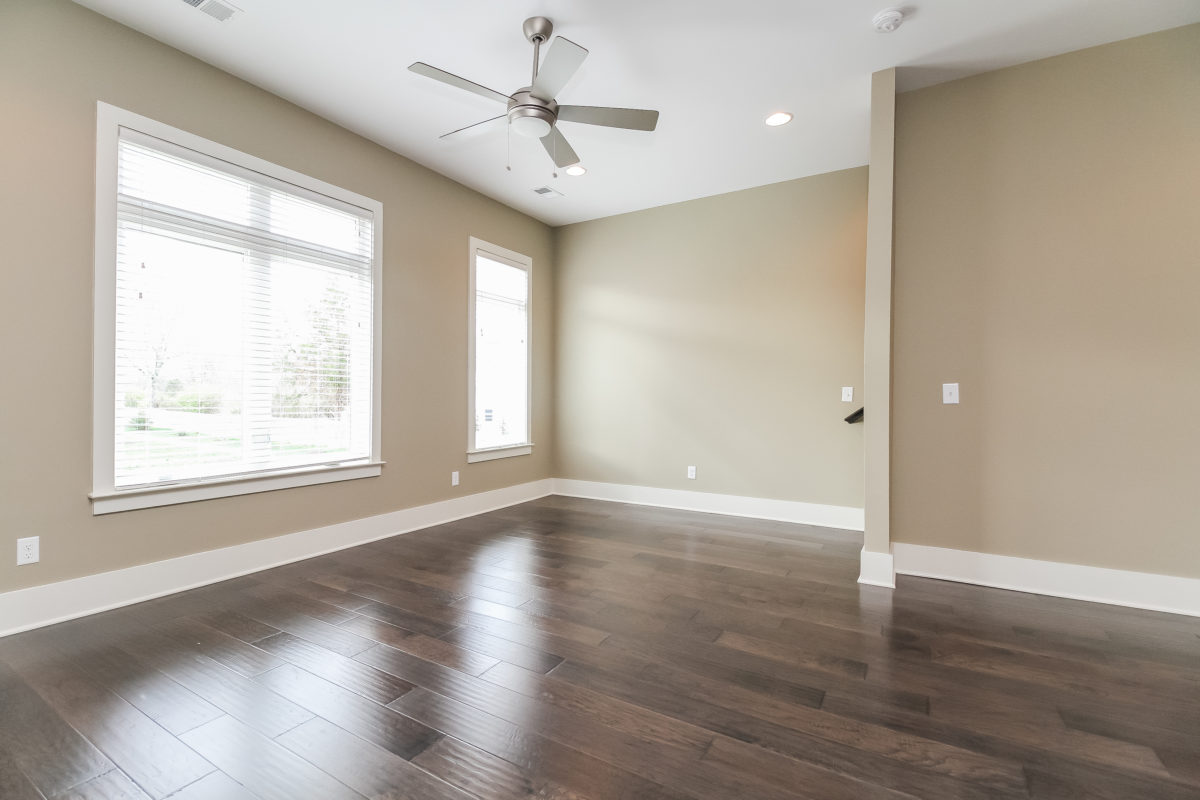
[(501, 354), (244, 327)]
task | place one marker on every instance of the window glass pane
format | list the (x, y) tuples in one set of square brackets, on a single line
[(501, 354), (172, 184), (180, 359), (157, 177), (319, 327), (236, 353), (297, 218)]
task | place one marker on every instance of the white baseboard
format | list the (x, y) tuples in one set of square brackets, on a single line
[(1075, 581), (877, 569), (844, 517), (37, 606)]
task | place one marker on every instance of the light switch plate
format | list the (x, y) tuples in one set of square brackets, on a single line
[(847, 394), (454, 478), (949, 393), (692, 473)]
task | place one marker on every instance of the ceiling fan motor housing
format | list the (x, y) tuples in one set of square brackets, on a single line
[(531, 116)]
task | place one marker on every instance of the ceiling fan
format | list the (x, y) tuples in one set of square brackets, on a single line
[(532, 110)]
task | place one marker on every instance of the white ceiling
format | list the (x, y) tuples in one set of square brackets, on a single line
[(713, 69)]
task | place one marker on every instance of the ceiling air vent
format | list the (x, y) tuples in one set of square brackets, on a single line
[(217, 9), (546, 191)]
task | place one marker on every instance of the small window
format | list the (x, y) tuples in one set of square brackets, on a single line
[(499, 350), (236, 322)]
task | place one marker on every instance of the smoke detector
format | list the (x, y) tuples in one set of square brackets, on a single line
[(888, 20)]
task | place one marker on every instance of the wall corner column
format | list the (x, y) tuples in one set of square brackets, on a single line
[(877, 567)]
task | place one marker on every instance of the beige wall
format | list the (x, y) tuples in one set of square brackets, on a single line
[(718, 333), (1048, 259), (56, 60)]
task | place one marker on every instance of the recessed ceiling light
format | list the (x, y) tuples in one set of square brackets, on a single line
[(778, 118), (576, 169)]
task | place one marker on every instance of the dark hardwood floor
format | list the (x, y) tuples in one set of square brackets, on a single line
[(586, 650)]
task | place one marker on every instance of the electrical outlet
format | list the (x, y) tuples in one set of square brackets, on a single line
[(454, 478), (847, 394), (950, 393), (692, 473), (27, 550)]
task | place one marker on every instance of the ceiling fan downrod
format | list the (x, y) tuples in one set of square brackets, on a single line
[(537, 30)]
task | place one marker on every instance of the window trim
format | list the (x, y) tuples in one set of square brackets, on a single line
[(519, 261), (106, 499)]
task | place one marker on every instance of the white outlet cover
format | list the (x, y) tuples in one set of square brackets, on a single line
[(454, 478), (692, 473), (28, 550), (949, 393), (847, 394)]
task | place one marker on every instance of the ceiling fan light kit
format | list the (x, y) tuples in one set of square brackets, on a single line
[(532, 111)]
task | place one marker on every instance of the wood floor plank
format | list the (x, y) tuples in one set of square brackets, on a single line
[(157, 761), (364, 718), (797, 775), (430, 622), (14, 784), (542, 762), (476, 640), (804, 655), (154, 694), (638, 750), (1048, 730), (239, 656), (265, 767), (368, 769), (582, 650), (574, 723), (214, 786), (487, 776), (51, 754), (114, 785), (475, 607), (603, 708), (347, 673), (236, 625), (236, 695), (806, 734), (290, 617), (1154, 728), (1070, 781), (442, 651)]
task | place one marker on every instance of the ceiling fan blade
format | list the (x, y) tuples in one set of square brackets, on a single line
[(557, 68), (635, 119), (454, 80), (471, 126), (560, 151)]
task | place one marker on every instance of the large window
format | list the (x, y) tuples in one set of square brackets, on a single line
[(236, 320), (499, 353)]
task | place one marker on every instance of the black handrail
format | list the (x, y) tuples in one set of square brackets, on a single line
[(857, 416)]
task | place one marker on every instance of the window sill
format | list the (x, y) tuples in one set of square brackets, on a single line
[(149, 497), (493, 453)]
